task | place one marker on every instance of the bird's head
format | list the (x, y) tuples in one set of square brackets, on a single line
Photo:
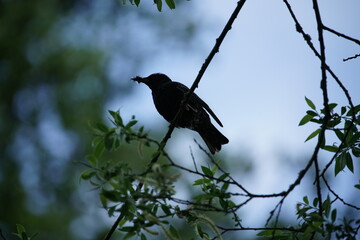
[(153, 80)]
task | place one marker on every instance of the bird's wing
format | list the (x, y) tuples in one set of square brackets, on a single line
[(197, 99)]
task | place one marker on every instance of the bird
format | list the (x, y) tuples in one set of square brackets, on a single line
[(168, 95)]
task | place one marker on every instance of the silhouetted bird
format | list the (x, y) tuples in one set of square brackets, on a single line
[(167, 96)]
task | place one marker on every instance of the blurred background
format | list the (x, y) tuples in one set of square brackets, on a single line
[(63, 64)]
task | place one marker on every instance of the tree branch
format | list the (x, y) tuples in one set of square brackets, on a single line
[(323, 86), (186, 99), (341, 35), (353, 57), (337, 196)]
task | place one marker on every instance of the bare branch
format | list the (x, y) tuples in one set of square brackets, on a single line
[(337, 196), (341, 35), (353, 57)]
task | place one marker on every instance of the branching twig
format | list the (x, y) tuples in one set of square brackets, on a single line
[(307, 38), (187, 98), (337, 196), (248, 196), (220, 168)]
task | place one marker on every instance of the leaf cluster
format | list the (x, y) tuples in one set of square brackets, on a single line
[(145, 209), (22, 234), (344, 124), (158, 3), (313, 224)]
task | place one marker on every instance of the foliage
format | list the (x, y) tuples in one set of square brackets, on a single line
[(146, 200), (21, 233), (169, 3), (144, 208), (56, 75), (138, 196), (344, 125)]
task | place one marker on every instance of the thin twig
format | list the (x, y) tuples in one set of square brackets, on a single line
[(341, 35), (353, 57), (259, 229), (220, 168), (193, 158), (337, 196)]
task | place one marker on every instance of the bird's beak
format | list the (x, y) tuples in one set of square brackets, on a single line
[(139, 79)]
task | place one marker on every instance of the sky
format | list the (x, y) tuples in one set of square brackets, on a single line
[(257, 83)]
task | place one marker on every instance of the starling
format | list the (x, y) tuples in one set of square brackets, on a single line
[(168, 95)]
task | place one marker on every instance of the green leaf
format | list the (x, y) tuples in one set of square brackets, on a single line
[(131, 123), (356, 151), (349, 162), (222, 177), (129, 235), (111, 211), (305, 119), (333, 215), (170, 3), (312, 113), (225, 186), (158, 4), (352, 138), (327, 206), (201, 181), (357, 108), (332, 106), (354, 110), (20, 228), (143, 237), (117, 118), (166, 209), (99, 149), (330, 148), (103, 200), (87, 174), (122, 222), (112, 113), (207, 171), (269, 233), (340, 163), (313, 134), (137, 2), (174, 232), (306, 200), (109, 141), (315, 202), (357, 186), (339, 134), (223, 203), (102, 127), (110, 195), (343, 110), (92, 160), (310, 103)]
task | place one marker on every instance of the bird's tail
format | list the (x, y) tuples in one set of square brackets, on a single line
[(213, 138)]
